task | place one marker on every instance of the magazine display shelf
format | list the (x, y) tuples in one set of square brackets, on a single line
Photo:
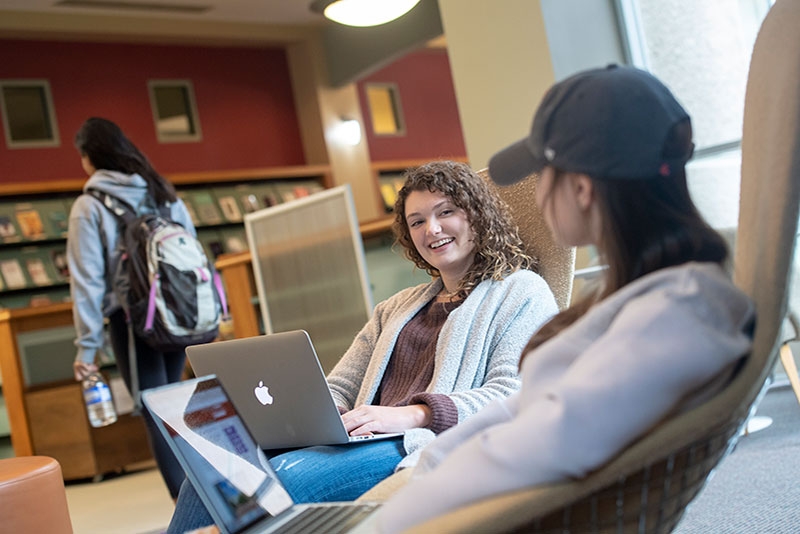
[(49, 418), (34, 216)]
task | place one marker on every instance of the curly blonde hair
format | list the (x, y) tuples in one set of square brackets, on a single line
[(499, 250)]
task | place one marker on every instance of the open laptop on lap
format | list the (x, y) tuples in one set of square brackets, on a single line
[(278, 387), (230, 472)]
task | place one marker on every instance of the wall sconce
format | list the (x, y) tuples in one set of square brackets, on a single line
[(362, 12), (348, 131)]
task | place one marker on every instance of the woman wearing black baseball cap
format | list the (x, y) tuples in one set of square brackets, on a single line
[(660, 335)]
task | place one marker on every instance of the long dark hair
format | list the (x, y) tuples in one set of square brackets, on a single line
[(647, 224), (108, 148), (499, 250)]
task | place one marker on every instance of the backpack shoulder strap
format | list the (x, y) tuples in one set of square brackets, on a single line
[(121, 209), (165, 210)]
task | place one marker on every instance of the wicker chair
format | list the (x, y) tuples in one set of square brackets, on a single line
[(647, 487), (556, 263)]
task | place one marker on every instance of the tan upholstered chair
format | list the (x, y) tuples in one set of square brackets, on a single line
[(556, 263), (647, 487), (32, 496)]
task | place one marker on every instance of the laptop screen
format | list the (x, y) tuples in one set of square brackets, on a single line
[(220, 457)]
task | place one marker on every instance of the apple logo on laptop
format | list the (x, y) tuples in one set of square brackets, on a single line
[(262, 393)]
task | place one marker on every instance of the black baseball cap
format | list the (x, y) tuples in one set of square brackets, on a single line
[(608, 123)]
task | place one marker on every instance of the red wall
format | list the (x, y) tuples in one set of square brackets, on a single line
[(428, 103), (244, 101)]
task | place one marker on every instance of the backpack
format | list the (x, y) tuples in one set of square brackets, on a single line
[(169, 290)]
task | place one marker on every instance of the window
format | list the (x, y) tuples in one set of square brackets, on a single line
[(384, 108), (29, 120), (701, 50), (174, 111)]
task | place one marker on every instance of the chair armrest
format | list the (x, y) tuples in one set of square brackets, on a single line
[(501, 513), (387, 487)]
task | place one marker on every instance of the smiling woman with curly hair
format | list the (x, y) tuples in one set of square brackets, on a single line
[(430, 356), (499, 250)]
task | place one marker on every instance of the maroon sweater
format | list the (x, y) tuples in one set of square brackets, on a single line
[(410, 369)]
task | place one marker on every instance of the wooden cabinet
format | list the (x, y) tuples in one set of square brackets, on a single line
[(51, 419), (59, 428)]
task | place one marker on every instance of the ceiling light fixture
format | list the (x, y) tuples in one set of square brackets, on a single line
[(363, 12)]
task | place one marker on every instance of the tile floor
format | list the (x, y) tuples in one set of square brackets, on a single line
[(136, 502)]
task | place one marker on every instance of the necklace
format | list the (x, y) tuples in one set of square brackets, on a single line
[(445, 294)]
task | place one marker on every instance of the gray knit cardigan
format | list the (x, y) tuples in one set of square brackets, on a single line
[(477, 353)]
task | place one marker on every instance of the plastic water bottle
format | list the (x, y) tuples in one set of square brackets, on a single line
[(99, 405)]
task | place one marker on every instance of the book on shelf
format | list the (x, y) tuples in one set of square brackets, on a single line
[(229, 207), (8, 228), (43, 219), (268, 195), (189, 207), (389, 186), (236, 201), (389, 196), (58, 257), (30, 221), (13, 274), (234, 240), (205, 206), (211, 241), (287, 194), (38, 272), (250, 202), (58, 223), (294, 189)]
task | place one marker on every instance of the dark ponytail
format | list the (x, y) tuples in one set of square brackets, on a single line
[(107, 147)]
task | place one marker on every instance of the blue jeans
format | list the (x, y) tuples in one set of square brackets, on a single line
[(314, 474)]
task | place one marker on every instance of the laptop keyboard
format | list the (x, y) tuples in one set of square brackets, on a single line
[(327, 519)]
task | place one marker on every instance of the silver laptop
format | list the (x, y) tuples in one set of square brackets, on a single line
[(278, 388), (230, 472)]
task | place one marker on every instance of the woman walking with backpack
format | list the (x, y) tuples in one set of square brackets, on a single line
[(117, 168)]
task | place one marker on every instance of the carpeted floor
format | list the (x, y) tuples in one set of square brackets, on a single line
[(756, 489)]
